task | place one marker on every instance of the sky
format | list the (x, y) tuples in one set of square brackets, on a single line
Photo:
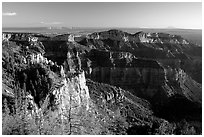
[(187, 15)]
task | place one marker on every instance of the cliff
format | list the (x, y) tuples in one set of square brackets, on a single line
[(117, 68), (71, 92), (166, 48), (46, 77), (139, 37), (161, 45), (145, 78), (122, 105), (50, 95)]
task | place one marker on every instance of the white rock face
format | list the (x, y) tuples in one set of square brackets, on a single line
[(62, 73), (32, 39), (185, 42), (71, 38), (160, 38), (98, 36), (37, 58), (125, 38), (144, 38), (6, 37), (73, 94)]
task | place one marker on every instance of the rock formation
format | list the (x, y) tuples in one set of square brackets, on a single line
[(61, 79), (144, 78), (165, 48)]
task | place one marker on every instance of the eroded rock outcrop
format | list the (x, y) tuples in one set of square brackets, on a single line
[(72, 92), (126, 71), (161, 43), (145, 78), (120, 104), (163, 47)]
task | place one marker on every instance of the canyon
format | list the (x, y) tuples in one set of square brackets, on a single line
[(108, 82)]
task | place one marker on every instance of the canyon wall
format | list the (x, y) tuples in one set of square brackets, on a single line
[(144, 78), (170, 50)]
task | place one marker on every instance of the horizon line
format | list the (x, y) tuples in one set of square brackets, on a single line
[(100, 27)]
